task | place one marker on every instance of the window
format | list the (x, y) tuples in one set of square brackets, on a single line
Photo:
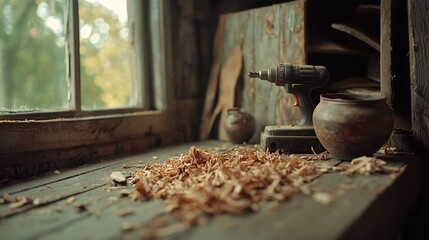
[(79, 57), (83, 79), (105, 59), (32, 56)]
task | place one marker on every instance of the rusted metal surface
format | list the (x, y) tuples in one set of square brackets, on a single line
[(268, 36)]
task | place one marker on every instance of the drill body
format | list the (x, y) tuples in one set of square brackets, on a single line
[(298, 80)]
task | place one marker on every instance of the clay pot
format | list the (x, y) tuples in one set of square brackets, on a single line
[(239, 125), (351, 125)]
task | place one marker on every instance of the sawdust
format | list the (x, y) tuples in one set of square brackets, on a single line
[(229, 183), (202, 183)]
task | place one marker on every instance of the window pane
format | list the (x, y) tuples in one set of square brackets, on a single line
[(32, 56), (106, 80)]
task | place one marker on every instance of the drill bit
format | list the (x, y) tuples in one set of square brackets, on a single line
[(254, 75)]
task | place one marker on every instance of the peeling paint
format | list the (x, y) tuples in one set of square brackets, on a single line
[(272, 35)]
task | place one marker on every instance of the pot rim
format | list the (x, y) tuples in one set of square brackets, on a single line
[(346, 98)]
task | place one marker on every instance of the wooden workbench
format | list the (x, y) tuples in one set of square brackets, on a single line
[(376, 206)]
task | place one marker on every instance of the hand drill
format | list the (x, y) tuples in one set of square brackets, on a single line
[(298, 80)]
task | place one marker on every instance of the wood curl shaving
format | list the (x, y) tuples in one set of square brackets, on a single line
[(367, 166), (219, 183), (232, 182)]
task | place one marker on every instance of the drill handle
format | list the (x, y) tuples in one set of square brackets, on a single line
[(302, 97), (306, 108)]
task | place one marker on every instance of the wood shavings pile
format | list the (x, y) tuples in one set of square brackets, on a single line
[(236, 181), (215, 183)]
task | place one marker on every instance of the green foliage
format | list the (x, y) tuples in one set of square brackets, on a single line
[(33, 56), (105, 63), (33, 65)]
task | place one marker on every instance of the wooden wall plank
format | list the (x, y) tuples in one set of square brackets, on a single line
[(247, 97), (186, 47), (418, 25), (292, 50), (269, 36), (267, 40), (419, 70)]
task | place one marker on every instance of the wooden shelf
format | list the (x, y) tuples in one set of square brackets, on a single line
[(359, 34), (361, 211), (318, 44)]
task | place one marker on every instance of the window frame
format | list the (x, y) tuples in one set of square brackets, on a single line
[(141, 26), (63, 133)]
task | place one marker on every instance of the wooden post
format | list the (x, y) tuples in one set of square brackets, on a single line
[(394, 74), (419, 71)]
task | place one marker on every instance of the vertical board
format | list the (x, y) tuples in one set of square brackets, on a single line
[(268, 36), (419, 70)]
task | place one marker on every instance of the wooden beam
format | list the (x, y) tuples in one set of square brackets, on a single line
[(394, 76), (419, 72)]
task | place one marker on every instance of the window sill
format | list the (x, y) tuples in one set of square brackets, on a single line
[(72, 115), (31, 147)]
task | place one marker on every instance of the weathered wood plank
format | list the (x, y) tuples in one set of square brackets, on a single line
[(80, 180), (418, 21), (419, 71), (354, 201), (394, 76), (101, 219), (267, 42), (44, 144), (268, 36), (90, 187), (246, 94), (155, 155), (186, 48), (299, 218), (386, 216), (39, 162), (359, 34), (292, 50), (213, 82)]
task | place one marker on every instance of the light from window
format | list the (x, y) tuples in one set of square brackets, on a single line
[(32, 56), (33, 66), (106, 79)]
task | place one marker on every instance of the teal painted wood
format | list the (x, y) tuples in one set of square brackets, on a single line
[(267, 42), (268, 36)]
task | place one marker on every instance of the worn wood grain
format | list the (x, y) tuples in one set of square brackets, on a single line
[(393, 204), (269, 35), (229, 75), (186, 48), (358, 207), (40, 145), (419, 71), (267, 42), (418, 20), (394, 75), (359, 34), (89, 186), (292, 46), (304, 218), (213, 82)]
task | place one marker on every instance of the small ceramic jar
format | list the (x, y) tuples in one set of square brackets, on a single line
[(239, 125)]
